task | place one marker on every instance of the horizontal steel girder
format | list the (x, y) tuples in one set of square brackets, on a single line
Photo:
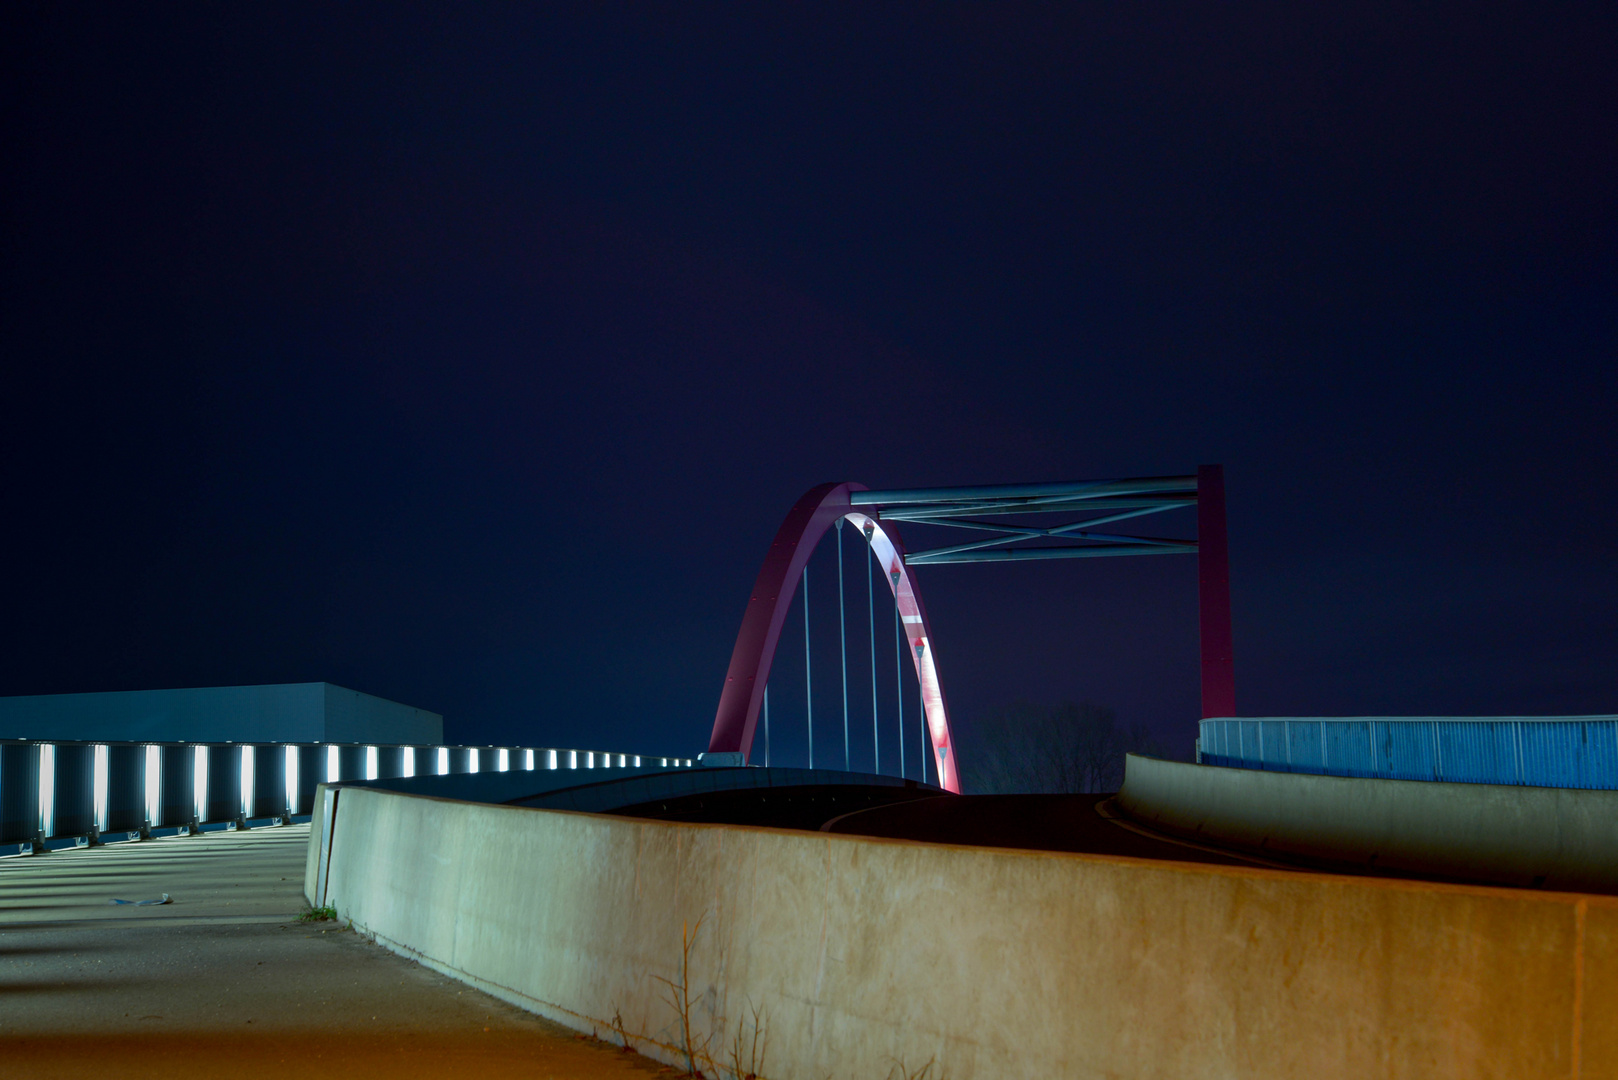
[(1070, 490), (1019, 554)]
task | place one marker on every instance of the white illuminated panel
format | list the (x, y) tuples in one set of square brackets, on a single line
[(550, 759), (249, 761), (47, 788), (370, 763), (292, 779), (154, 785), (199, 781), (409, 766), (528, 760), (637, 761), (573, 759), (443, 761), (623, 761), (503, 760), (472, 760), (332, 763), (589, 759), (99, 768)]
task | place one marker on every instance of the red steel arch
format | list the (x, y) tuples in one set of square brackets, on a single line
[(743, 694)]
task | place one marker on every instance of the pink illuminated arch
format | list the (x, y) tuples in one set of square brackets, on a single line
[(743, 693)]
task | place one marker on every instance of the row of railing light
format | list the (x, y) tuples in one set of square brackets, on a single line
[(60, 793)]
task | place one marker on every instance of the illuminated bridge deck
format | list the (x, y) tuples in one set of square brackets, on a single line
[(225, 981)]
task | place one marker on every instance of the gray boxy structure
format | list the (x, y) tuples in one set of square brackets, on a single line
[(275, 713)]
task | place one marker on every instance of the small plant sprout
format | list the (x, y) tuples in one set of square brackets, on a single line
[(618, 1029)]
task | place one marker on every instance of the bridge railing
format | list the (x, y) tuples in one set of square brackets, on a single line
[(1532, 751), (58, 793)]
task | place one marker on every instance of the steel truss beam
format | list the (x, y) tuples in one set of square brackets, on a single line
[(1073, 540)]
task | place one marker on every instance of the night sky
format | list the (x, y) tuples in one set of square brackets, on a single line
[(470, 355)]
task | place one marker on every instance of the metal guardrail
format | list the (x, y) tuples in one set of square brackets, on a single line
[(1534, 751), (55, 794)]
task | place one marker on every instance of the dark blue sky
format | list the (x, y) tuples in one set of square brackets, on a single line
[(470, 356)]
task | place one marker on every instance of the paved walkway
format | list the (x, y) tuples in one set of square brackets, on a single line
[(225, 982)]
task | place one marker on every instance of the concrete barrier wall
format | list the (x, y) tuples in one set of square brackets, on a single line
[(1557, 838), (865, 953)]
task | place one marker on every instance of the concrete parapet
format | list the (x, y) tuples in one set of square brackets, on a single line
[(867, 953), (1555, 838)]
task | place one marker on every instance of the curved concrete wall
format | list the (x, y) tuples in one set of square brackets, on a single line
[(864, 953), (1555, 838)]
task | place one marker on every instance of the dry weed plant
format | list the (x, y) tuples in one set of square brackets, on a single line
[(903, 1073), (679, 997), (756, 1046), (618, 1029)]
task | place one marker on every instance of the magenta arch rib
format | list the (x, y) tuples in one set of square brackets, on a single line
[(743, 693)]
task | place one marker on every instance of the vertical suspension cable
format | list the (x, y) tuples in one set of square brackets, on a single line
[(870, 619), (808, 672), (842, 640), (921, 703), (899, 674), (766, 725)]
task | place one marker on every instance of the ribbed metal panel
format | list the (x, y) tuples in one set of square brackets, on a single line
[(19, 792), (351, 763), (75, 790), (1538, 751), (224, 793), (311, 773), (269, 782), (176, 802), (126, 787), (74, 810)]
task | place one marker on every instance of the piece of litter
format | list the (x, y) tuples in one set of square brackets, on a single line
[(164, 899)]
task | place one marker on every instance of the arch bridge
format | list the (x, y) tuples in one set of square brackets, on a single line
[(1013, 522)]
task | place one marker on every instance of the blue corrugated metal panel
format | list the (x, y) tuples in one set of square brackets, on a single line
[(1550, 753), (1272, 736), (1477, 752), (1598, 763), (1557, 751), (1409, 751), (1348, 748), (1306, 744), (1247, 741)]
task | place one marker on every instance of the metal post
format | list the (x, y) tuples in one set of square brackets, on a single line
[(870, 618), (842, 639), (1516, 732), (766, 725), (808, 672), (1213, 595), (899, 678)]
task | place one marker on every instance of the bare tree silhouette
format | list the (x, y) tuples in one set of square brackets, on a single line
[(1029, 748)]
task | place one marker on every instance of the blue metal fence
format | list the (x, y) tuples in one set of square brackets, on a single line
[(55, 794), (1536, 751)]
